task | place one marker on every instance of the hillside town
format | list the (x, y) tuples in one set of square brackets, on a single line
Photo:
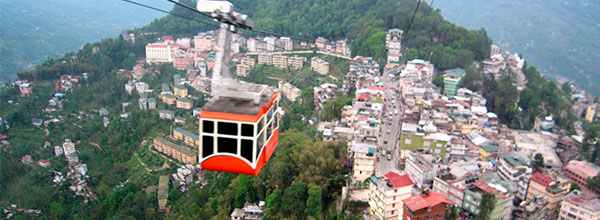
[(416, 151)]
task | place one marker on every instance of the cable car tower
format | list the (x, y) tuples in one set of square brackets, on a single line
[(239, 128)]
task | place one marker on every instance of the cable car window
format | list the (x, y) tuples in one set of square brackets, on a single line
[(259, 125), (248, 130), (275, 122), (260, 141), (247, 150), (228, 128), (207, 145), (270, 115), (227, 145), (269, 130), (208, 126)]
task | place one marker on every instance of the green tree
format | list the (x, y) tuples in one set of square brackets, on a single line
[(314, 202), (538, 162), (451, 213), (273, 203), (488, 203), (294, 199), (242, 190)]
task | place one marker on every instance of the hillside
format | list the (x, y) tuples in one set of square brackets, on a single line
[(34, 30), (559, 37)]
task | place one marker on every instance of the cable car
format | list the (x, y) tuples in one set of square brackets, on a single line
[(239, 126)]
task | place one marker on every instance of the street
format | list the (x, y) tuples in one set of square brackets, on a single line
[(390, 129)]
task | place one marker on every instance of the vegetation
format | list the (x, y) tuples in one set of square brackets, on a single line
[(538, 162), (488, 203)]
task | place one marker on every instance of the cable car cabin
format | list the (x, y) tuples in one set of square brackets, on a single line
[(238, 136)]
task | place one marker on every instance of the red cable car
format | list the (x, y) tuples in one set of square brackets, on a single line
[(239, 126)]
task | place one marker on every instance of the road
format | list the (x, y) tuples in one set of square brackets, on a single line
[(390, 128)]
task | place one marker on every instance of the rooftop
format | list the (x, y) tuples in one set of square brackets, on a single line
[(541, 179), (418, 202), (456, 72), (398, 180), (237, 106), (163, 187), (183, 150)]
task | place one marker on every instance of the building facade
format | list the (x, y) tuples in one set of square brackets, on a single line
[(180, 153), (386, 195)]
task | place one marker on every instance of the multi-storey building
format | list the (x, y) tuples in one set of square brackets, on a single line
[(180, 153), (185, 103), (159, 53), (319, 65), (393, 40), (270, 41), (576, 206), (512, 166), (590, 111), (162, 195), (265, 58), (168, 98), (248, 61), (474, 195), (151, 103), (182, 60), (203, 42), (321, 42), (296, 62), (287, 43), (187, 137), (386, 195), (166, 114), (552, 189), (454, 190), (421, 168), (280, 61), (427, 205), (242, 70), (289, 91), (364, 161), (580, 171), (180, 91), (452, 79)]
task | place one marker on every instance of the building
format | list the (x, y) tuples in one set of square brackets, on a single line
[(248, 62), (386, 195), (265, 58), (531, 210), (393, 40), (319, 65), (143, 103), (163, 192), (474, 195), (203, 42), (180, 91), (249, 212), (577, 206), (590, 111), (289, 91), (427, 205), (166, 114), (287, 43), (454, 190), (185, 103), (168, 98), (182, 60), (242, 70), (580, 171), (159, 53), (364, 161), (512, 166), (321, 42), (180, 153), (296, 62), (26, 159), (452, 79), (58, 150), (487, 151), (151, 103), (26, 89), (187, 137), (421, 168), (552, 189), (280, 61)]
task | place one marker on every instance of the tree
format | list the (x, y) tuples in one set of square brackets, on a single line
[(293, 199), (594, 183), (242, 190), (273, 203), (451, 213), (486, 206), (538, 162), (314, 202)]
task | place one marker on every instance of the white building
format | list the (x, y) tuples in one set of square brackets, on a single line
[(576, 206), (289, 91), (386, 195), (364, 161), (159, 53), (421, 168)]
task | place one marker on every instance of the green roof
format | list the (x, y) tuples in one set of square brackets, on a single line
[(164, 111), (456, 72), (187, 133), (514, 160), (489, 148), (163, 187)]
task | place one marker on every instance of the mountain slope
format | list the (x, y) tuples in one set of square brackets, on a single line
[(33, 30), (560, 37)]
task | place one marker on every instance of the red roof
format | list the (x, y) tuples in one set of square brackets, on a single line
[(419, 202), (397, 180), (364, 96), (467, 105), (166, 38), (26, 156), (485, 187), (43, 161), (157, 45), (540, 178)]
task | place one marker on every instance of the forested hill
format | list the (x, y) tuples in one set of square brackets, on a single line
[(363, 22), (33, 30), (559, 37)]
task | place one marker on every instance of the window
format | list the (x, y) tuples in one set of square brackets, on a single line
[(259, 125), (228, 128), (246, 150), (208, 126), (247, 130), (207, 145), (392, 212), (269, 130), (227, 145), (260, 142)]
